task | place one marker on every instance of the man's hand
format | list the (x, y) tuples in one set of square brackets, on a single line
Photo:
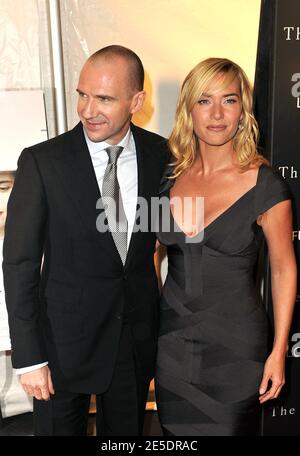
[(38, 383)]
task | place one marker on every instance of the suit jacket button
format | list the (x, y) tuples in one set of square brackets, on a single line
[(119, 316)]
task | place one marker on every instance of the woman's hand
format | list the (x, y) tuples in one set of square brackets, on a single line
[(274, 372)]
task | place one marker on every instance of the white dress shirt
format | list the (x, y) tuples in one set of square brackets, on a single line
[(128, 182), (126, 172)]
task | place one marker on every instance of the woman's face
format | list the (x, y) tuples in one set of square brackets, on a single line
[(6, 185), (217, 113)]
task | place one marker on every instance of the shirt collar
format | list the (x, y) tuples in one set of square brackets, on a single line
[(96, 147)]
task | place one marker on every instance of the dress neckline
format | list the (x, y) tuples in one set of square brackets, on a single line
[(225, 212)]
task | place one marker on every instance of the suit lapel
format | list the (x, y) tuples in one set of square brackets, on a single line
[(77, 173), (76, 169)]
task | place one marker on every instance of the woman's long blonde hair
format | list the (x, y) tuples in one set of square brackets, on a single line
[(183, 141)]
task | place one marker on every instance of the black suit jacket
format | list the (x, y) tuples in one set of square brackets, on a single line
[(66, 287)]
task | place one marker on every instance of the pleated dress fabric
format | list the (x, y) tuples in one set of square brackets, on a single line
[(213, 327)]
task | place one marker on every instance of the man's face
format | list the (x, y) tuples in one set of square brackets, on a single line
[(6, 185), (106, 99)]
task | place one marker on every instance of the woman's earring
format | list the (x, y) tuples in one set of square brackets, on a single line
[(240, 125)]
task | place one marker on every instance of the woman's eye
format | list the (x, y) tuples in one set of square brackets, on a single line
[(230, 100), (203, 102)]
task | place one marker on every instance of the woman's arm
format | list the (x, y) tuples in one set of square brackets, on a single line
[(277, 227)]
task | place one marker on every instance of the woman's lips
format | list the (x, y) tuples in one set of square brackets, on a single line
[(216, 127)]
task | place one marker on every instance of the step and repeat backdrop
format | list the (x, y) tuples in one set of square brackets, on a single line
[(277, 95)]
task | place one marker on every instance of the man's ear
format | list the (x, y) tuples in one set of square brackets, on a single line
[(138, 101)]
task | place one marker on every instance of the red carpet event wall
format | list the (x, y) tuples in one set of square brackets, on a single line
[(277, 95)]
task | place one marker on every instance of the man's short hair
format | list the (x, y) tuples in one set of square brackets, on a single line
[(136, 73)]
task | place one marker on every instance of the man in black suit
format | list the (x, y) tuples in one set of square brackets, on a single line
[(83, 314)]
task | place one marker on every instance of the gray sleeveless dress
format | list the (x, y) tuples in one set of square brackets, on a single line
[(213, 328)]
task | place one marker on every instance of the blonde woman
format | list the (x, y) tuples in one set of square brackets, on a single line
[(213, 368)]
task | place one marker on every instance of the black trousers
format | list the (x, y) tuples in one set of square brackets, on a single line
[(120, 409)]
